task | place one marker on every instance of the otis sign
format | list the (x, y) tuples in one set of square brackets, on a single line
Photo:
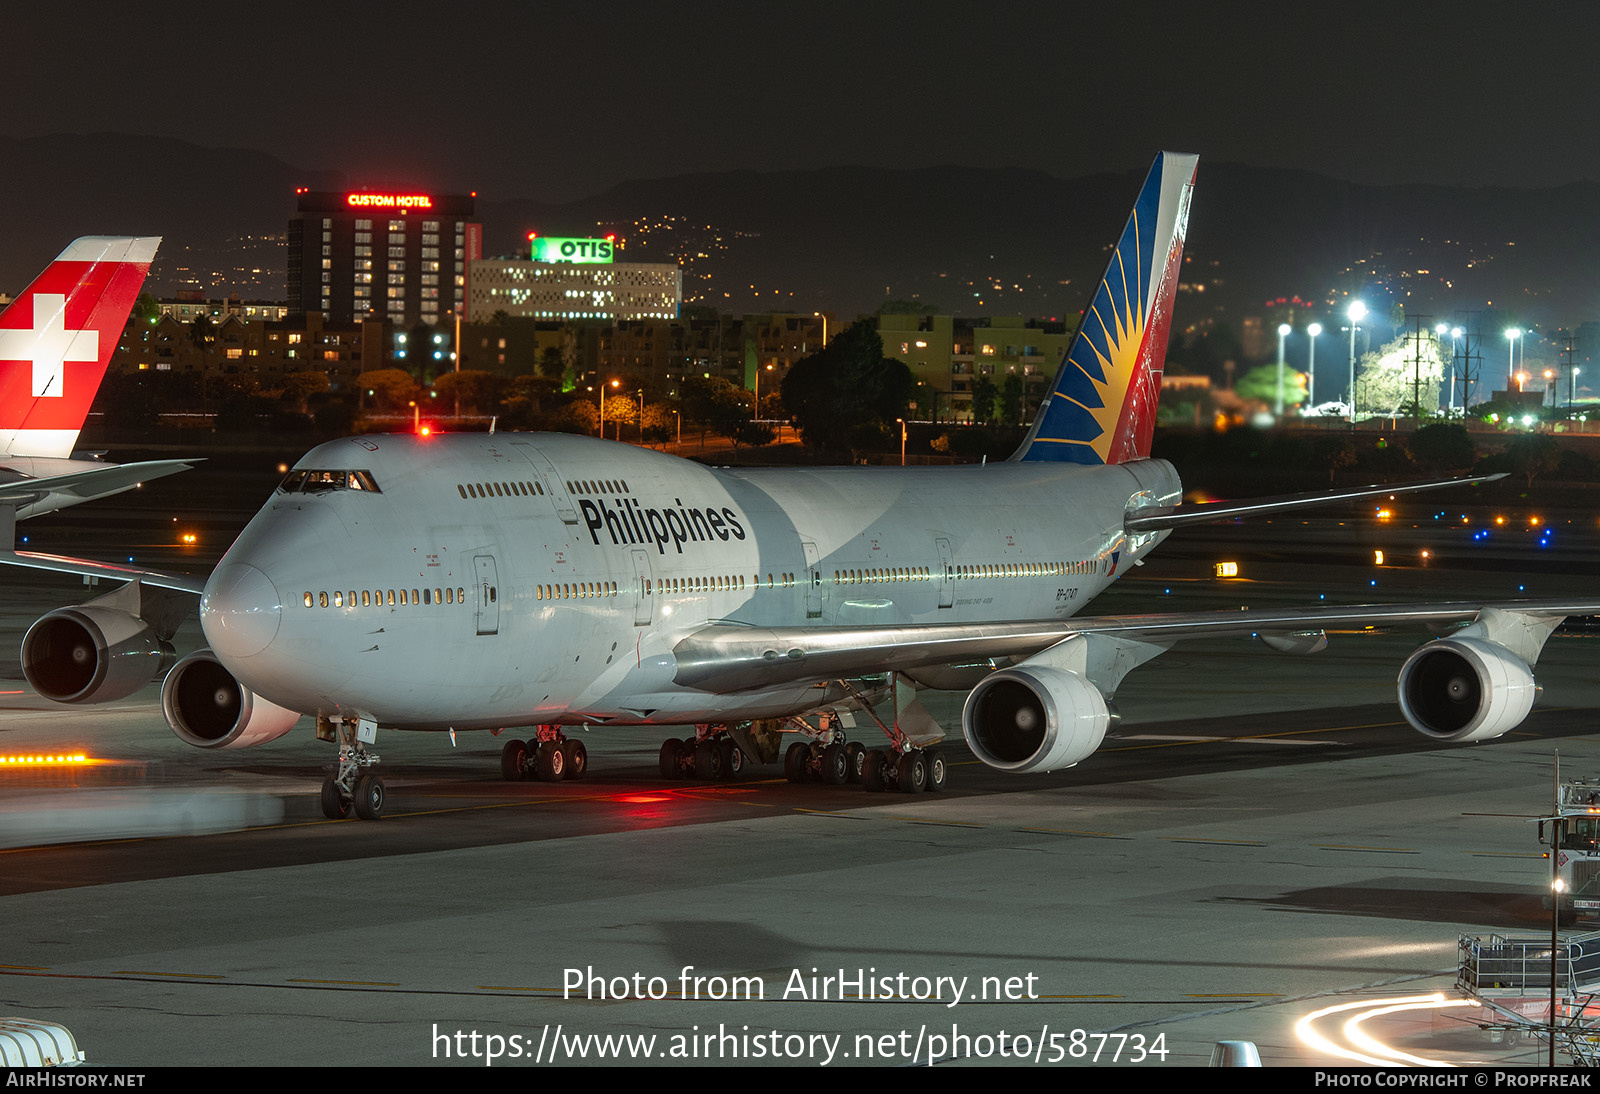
[(556, 249)]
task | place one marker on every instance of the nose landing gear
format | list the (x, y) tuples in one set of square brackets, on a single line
[(351, 785)]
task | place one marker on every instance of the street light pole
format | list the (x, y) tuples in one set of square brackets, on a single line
[(1358, 312), (1277, 405), (1311, 365)]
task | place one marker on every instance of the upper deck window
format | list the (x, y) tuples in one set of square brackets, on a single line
[(317, 482)]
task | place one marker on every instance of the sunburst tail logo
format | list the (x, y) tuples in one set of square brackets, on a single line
[(1102, 407)]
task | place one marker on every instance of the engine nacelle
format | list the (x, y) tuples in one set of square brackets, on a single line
[(206, 707), (91, 654), (1034, 718), (1465, 689)]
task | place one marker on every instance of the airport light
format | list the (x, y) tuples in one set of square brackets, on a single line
[(1311, 365), (1283, 333), (1358, 312)]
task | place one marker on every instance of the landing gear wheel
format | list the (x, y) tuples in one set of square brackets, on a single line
[(872, 771), (856, 753), (671, 758), (936, 770), (369, 797), (707, 760), (551, 764), (912, 772), (732, 758), (794, 762), (835, 765), (514, 761), (334, 805), (576, 757)]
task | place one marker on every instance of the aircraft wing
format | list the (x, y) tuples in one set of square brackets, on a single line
[(1155, 518), (97, 482), (724, 657), (61, 564)]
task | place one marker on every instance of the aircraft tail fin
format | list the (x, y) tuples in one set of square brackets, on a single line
[(56, 340), (1102, 407)]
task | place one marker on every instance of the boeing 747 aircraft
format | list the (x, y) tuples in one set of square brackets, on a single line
[(475, 581)]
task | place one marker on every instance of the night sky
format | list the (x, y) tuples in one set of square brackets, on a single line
[(559, 101)]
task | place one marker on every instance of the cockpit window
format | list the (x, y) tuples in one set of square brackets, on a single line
[(318, 482)]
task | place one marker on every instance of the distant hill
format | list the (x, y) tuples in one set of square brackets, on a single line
[(965, 240)]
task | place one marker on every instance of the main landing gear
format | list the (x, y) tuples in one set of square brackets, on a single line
[(826, 757), (901, 766), (711, 754), (351, 785), (550, 757)]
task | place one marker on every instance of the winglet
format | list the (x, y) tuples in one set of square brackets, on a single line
[(56, 340), (1102, 407)]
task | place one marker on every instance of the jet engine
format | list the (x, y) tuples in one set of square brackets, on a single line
[(206, 707), (1465, 689), (1034, 718), (92, 654)]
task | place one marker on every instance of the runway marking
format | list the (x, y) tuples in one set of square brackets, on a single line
[(1375, 850), (945, 823), (29, 968), (1173, 743), (1221, 842), (179, 975), (1075, 832), (1237, 995), (346, 983)]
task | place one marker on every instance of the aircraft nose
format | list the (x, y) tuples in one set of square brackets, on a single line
[(240, 611)]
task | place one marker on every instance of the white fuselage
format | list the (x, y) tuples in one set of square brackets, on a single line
[(557, 573)]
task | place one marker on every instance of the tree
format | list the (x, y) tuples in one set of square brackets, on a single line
[(1386, 381), (476, 391), (1532, 454), (1261, 383), (984, 397), (298, 387), (1442, 446), (392, 388), (843, 393)]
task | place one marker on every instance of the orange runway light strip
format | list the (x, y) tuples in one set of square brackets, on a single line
[(76, 759)]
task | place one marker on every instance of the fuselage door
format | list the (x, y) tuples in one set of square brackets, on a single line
[(488, 595), (554, 488), (947, 578), (813, 581), (643, 594)]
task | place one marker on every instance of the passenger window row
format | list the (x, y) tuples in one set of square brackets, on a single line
[(502, 489), (598, 486), (380, 598), (679, 586), (581, 590), (893, 573), (1024, 569)]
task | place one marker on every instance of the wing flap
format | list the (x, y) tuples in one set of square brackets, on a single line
[(724, 658)]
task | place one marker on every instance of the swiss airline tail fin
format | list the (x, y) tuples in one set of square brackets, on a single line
[(58, 336), (1102, 407)]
